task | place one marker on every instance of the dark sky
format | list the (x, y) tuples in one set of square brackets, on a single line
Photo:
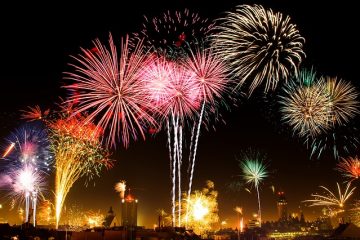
[(36, 41)]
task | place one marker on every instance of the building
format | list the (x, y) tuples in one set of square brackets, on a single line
[(129, 211), (254, 222), (110, 219), (282, 207)]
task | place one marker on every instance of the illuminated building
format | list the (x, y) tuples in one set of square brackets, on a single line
[(282, 207), (254, 223), (129, 211)]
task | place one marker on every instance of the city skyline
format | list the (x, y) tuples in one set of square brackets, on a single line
[(36, 57)]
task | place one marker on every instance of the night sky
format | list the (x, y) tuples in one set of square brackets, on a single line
[(36, 42)]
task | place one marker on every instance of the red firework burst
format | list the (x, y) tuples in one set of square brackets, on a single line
[(109, 88), (350, 168)]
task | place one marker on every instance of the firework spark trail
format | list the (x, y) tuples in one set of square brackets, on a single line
[(8, 149), (191, 147), (192, 162), (174, 170), (111, 90), (169, 143), (340, 141), (259, 44), (195, 147), (179, 173)]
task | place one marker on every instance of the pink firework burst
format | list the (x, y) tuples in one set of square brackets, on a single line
[(350, 168), (211, 73), (172, 88), (108, 87)]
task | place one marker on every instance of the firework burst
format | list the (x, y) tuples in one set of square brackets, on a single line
[(202, 209), (305, 106), (34, 113), (331, 199), (172, 88), (109, 88), (343, 99), (171, 31), (94, 218), (259, 44), (350, 168), (29, 145), (27, 184), (27, 158), (120, 187), (254, 171), (211, 73)]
